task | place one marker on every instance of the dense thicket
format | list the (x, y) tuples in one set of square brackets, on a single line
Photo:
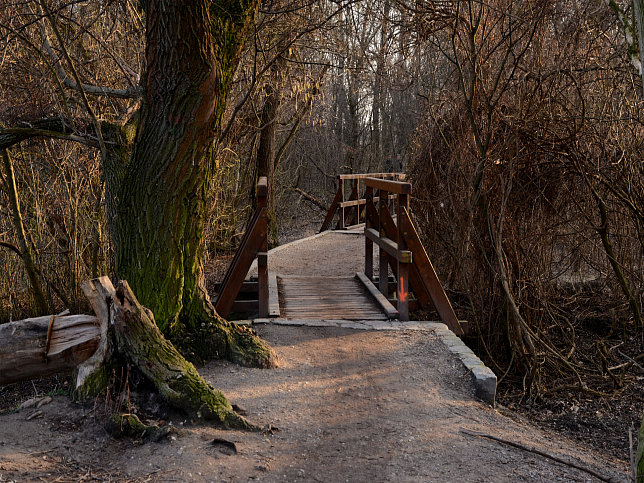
[(529, 170)]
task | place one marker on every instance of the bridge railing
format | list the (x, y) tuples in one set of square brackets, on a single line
[(349, 199), (400, 248), (254, 244)]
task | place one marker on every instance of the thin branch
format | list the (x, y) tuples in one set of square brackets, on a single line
[(14, 135), (566, 462), (90, 111)]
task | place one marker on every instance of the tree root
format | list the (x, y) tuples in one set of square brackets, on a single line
[(217, 338), (176, 379), (130, 426)]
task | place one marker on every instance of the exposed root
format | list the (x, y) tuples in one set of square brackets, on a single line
[(176, 379), (219, 339)]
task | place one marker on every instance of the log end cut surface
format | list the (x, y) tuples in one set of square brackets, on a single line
[(326, 298)]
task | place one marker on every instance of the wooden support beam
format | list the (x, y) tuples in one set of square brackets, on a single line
[(273, 297), (412, 303), (428, 274), (262, 187), (354, 215), (250, 307), (386, 306), (389, 246), (262, 278), (334, 207), (398, 176), (240, 265), (247, 287), (417, 286), (354, 202), (398, 187)]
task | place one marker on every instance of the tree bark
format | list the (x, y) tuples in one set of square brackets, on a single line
[(266, 149), (192, 53)]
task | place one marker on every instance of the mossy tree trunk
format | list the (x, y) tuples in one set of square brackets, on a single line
[(192, 52)]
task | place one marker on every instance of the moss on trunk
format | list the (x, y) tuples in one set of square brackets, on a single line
[(176, 379), (158, 225)]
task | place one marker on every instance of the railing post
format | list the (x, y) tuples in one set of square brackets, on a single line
[(354, 189), (341, 220), (368, 244), (262, 255), (402, 284), (383, 267)]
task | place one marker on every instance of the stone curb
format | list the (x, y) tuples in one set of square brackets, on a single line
[(483, 377)]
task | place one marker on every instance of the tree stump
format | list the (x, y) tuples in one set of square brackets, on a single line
[(131, 333)]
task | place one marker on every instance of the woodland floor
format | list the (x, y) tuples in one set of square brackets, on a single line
[(349, 405)]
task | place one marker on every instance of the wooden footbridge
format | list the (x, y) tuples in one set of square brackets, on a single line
[(396, 275)]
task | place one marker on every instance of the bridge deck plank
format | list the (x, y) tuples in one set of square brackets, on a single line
[(326, 298)]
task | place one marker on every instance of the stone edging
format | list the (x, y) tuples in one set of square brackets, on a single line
[(482, 376)]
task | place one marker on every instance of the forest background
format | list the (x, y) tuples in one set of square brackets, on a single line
[(519, 124)]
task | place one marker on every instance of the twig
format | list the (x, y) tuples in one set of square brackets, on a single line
[(572, 464)]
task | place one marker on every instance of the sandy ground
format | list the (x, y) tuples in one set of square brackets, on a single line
[(350, 406)]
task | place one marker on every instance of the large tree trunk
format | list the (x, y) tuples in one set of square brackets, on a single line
[(192, 52)]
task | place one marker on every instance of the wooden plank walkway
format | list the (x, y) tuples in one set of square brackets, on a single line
[(326, 298)]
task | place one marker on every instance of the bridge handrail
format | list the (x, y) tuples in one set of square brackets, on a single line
[(350, 212), (399, 176), (401, 249), (390, 186), (254, 244)]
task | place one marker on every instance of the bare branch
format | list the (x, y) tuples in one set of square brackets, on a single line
[(53, 127)]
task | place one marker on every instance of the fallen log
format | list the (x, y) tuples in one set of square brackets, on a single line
[(92, 376), (123, 330), (42, 346)]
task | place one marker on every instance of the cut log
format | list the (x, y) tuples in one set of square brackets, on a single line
[(42, 346), (47, 345)]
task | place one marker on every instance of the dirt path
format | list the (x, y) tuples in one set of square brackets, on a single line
[(350, 406), (331, 254)]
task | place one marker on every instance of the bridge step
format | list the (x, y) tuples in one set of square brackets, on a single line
[(326, 298)]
